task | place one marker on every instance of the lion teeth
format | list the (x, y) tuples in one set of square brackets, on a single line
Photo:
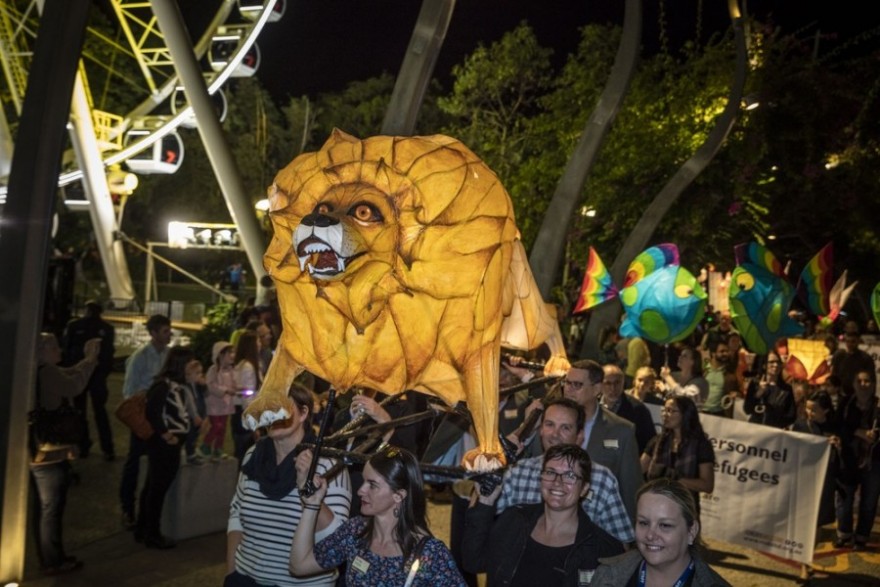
[(302, 263), (340, 264), (316, 248), (311, 269)]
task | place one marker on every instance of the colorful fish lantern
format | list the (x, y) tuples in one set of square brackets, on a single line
[(760, 297), (662, 300), (815, 289)]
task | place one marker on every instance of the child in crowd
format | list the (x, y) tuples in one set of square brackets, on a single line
[(221, 390)]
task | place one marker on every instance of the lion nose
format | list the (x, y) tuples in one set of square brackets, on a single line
[(319, 220)]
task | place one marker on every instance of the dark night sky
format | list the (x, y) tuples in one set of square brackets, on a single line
[(321, 45)]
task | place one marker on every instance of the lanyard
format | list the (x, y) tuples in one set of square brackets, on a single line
[(643, 574)]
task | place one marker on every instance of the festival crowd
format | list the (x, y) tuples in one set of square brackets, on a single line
[(593, 494)]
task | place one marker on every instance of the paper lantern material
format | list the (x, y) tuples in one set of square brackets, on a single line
[(398, 267), (662, 300), (760, 297)]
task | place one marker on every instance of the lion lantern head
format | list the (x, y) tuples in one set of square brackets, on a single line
[(392, 262)]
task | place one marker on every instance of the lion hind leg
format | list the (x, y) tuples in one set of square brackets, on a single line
[(481, 381), (272, 403)]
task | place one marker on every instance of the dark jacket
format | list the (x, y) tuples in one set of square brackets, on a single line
[(496, 548), (633, 409), (166, 408), (777, 404), (617, 571)]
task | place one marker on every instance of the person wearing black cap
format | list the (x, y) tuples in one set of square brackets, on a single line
[(78, 331)]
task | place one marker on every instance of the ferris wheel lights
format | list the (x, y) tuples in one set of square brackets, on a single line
[(180, 234), (122, 182)]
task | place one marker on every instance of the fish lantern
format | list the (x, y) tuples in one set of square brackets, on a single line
[(760, 297), (662, 300)]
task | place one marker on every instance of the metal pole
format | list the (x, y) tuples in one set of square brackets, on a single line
[(418, 66), (225, 168), (148, 278), (151, 255), (24, 251), (88, 155)]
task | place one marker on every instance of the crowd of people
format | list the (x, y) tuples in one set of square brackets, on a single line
[(593, 494)]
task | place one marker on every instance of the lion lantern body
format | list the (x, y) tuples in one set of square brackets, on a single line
[(398, 266)]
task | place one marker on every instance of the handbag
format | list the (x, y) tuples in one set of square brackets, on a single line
[(62, 426), (132, 412)]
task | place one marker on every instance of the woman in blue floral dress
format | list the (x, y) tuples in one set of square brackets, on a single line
[(389, 544)]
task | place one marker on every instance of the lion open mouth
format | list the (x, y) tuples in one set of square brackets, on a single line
[(320, 258)]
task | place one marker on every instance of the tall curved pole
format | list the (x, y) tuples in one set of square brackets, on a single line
[(216, 146), (24, 253), (548, 252), (608, 314), (418, 65)]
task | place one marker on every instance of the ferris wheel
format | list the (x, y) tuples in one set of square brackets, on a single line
[(128, 101)]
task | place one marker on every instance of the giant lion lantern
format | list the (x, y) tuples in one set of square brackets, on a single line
[(398, 266)]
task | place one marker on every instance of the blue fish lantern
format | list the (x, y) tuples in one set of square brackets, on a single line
[(663, 301), (760, 297)]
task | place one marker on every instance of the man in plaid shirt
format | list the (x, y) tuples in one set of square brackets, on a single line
[(563, 423)]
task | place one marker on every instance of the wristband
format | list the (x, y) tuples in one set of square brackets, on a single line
[(310, 506)]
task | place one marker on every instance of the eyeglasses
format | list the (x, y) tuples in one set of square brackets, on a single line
[(670, 411), (568, 478), (573, 384)]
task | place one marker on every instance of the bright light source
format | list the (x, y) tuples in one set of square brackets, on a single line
[(223, 237), (262, 205), (122, 182), (771, 237), (180, 235), (203, 237), (751, 102), (588, 211)]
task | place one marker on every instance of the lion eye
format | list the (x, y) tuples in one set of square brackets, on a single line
[(323, 208), (365, 212)]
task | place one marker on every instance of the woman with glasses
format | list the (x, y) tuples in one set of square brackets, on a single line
[(682, 450), (769, 399), (667, 549), (548, 544), (389, 542), (267, 507)]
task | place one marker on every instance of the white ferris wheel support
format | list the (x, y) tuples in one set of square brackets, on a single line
[(90, 133), (216, 146)]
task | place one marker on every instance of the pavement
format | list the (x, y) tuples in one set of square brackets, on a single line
[(94, 533)]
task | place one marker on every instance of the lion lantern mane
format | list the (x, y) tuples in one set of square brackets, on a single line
[(398, 266)]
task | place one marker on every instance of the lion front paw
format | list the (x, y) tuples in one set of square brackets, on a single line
[(482, 462), (263, 411)]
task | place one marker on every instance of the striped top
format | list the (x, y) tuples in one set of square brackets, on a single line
[(267, 528)]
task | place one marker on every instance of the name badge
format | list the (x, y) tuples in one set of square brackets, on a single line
[(510, 414), (611, 443), (585, 577), (360, 565)]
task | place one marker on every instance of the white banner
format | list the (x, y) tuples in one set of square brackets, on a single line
[(767, 487), (768, 483)]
